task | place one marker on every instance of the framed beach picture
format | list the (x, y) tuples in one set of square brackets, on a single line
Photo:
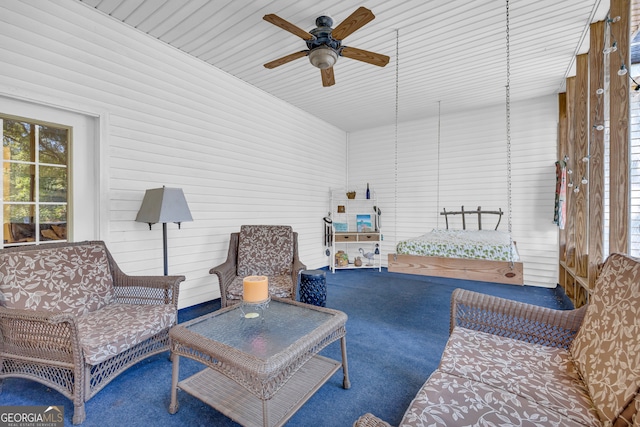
[(340, 226), (364, 223)]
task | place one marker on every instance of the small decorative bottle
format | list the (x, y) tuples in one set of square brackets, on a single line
[(368, 193)]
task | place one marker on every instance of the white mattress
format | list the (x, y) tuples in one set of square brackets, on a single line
[(470, 244)]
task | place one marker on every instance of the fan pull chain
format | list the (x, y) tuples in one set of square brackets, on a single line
[(508, 114)]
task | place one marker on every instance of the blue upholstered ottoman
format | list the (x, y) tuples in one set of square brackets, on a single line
[(313, 287)]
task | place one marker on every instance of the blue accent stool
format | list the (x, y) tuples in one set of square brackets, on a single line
[(313, 287)]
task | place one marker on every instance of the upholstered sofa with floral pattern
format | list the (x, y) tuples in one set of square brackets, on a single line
[(264, 250), (511, 364), (72, 320)]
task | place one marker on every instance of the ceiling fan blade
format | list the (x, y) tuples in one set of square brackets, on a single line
[(365, 56), (328, 78), (280, 61), (288, 26), (356, 20)]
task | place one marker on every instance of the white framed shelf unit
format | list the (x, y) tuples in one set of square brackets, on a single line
[(355, 241)]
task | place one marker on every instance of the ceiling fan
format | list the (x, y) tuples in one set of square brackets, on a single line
[(325, 43)]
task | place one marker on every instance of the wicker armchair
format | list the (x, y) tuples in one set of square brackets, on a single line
[(266, 250), (72, 320)]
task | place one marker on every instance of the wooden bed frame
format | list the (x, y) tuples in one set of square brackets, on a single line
[(459, 268)]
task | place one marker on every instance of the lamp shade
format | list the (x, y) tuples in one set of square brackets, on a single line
[(164, 205)]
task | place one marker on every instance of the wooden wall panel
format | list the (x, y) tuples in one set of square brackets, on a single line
[(562, 149), (619, 135), (616, 99), (596, 151), (570, 228), (580, 168)]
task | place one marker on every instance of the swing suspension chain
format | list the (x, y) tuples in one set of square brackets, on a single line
[(508, 106), (438, 174), (395, 192)]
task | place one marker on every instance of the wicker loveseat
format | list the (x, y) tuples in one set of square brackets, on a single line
[(265, 250), (72, 320), (508, 363)]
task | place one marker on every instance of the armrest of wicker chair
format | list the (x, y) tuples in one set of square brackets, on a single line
[(370, 420), (147, 289), (40, 335), (513, 319), (298, 266), (153, 290), (227, 271), (295, 275)]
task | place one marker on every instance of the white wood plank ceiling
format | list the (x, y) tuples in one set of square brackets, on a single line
[(451, 53)]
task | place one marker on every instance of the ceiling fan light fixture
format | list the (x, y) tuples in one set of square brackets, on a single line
[(324, 43), (323, 57)]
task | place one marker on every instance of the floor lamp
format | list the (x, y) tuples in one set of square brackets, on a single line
[(164, 205)]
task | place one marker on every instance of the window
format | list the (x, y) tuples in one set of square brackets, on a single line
[(634, 247), (35, 166)]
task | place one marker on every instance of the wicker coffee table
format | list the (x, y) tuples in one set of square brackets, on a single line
[(259, 371)]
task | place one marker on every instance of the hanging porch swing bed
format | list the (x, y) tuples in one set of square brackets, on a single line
[(481, 255), (459, 254)]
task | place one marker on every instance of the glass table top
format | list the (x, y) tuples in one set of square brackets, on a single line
[(278, 326)]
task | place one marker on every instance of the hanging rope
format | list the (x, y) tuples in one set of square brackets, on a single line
[(508, 114), (395, 182)]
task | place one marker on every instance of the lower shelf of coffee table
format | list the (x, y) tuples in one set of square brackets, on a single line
[(233, 400)]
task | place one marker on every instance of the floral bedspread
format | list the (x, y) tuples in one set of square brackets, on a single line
[(471, 244)]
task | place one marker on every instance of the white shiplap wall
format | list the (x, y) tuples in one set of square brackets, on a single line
[(471, 171), (165, 118), (242, 156)]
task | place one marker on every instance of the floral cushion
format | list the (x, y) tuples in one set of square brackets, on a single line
[(545, 375), (607, 347), (449, 400), (279, 286), (265, 250), (472, 244), (118, 327), (72, 279)]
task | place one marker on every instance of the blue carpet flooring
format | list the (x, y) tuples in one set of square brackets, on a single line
[(398, 326)]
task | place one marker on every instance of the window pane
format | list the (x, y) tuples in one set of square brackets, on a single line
[(53, 214), (16, 140), (18, 223), (22, 213), (19, 182), (53, 145), (53, 222), (53, 184)]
